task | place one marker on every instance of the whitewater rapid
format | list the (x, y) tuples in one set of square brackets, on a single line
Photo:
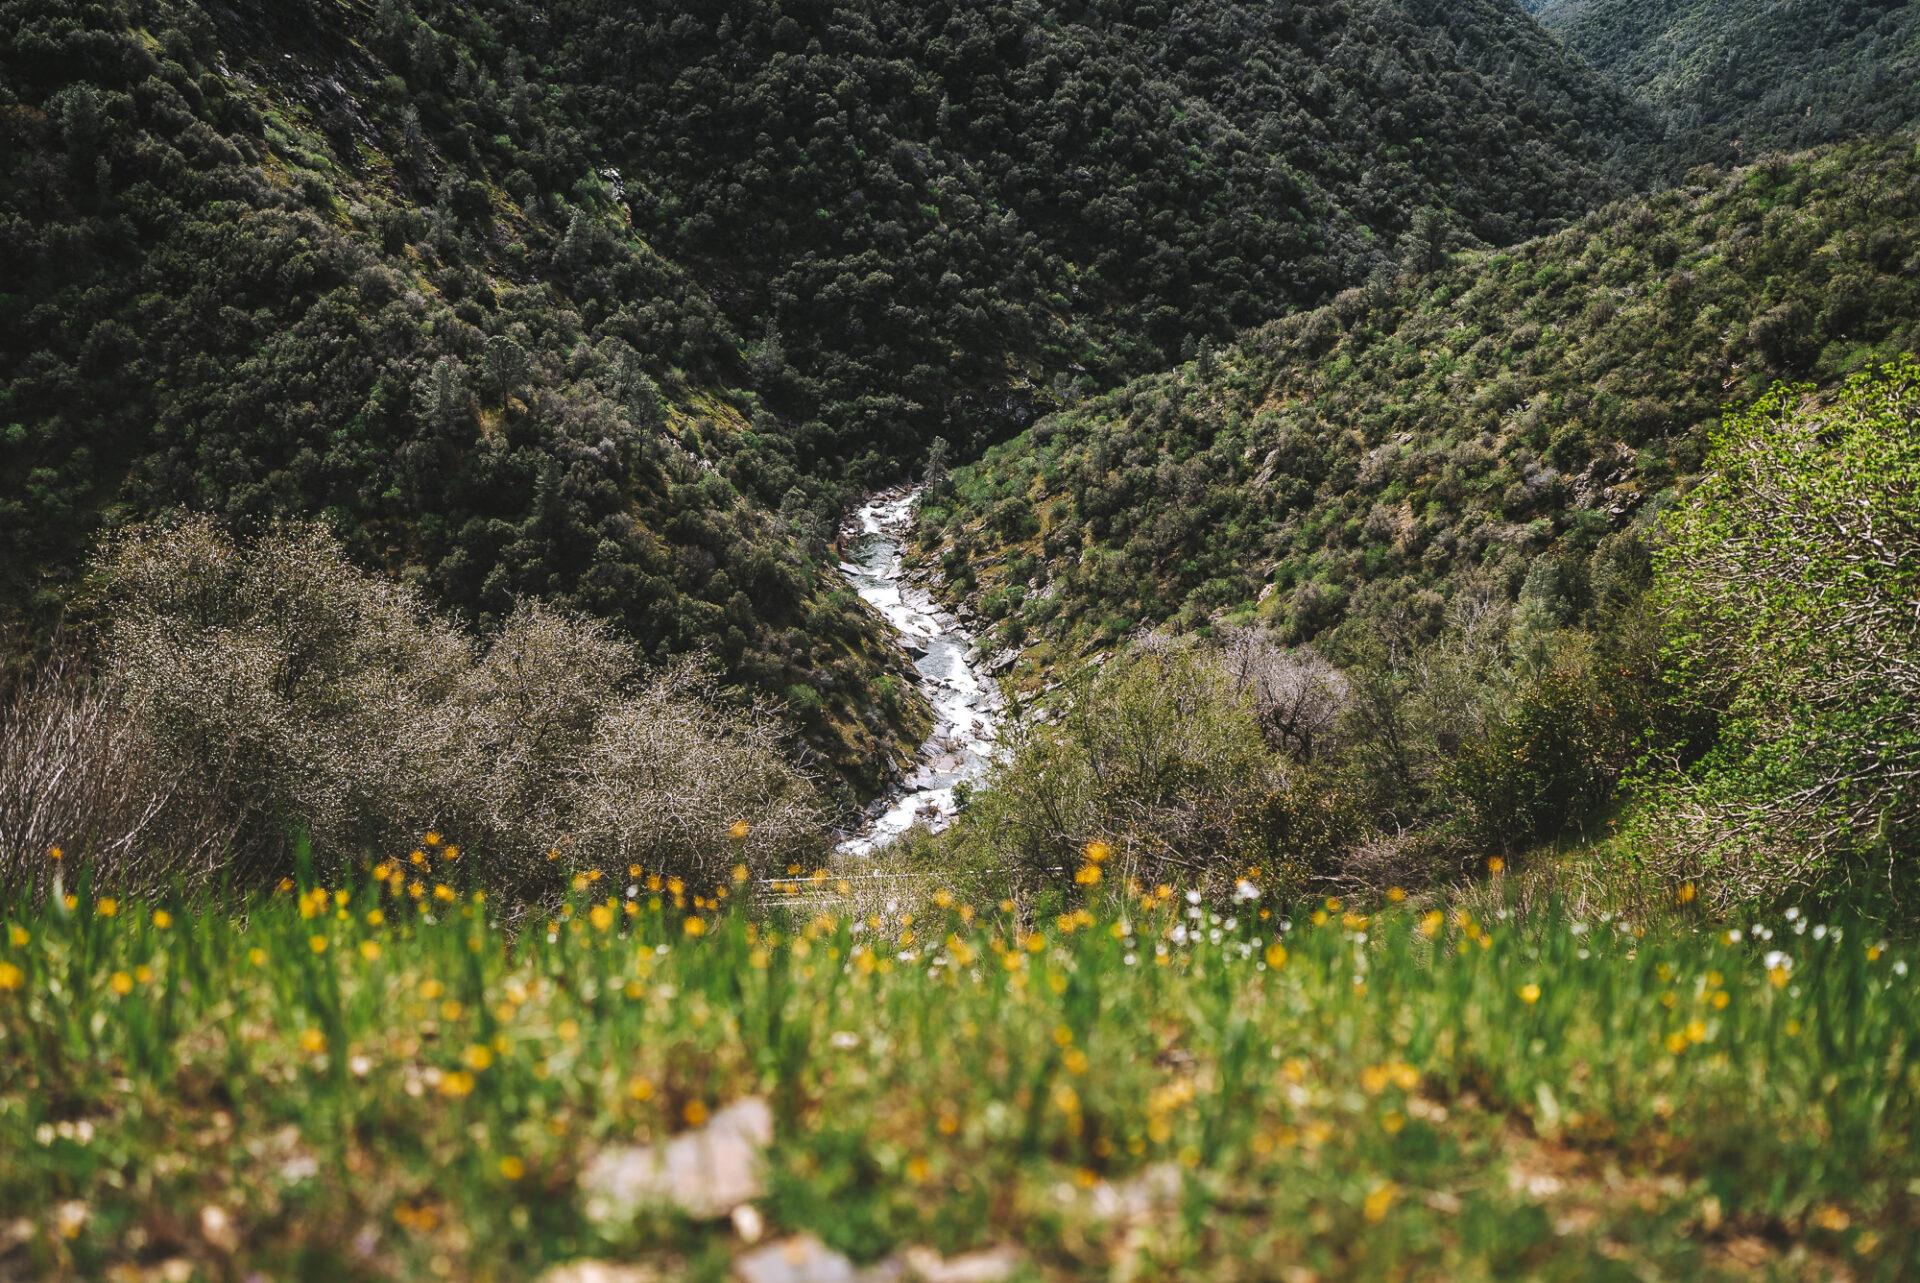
[(966, 701)]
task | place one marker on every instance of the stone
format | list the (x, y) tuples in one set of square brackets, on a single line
[(748, 1223), (801, 1259), (990, 1266), (1137, 1199), (706, 1172), (599, 1272)]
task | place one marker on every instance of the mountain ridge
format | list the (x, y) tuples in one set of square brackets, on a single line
[(1357, 460)]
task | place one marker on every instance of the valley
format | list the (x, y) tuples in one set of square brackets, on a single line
[(848, 641)]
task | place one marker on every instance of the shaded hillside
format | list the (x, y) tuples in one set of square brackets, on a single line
[(265, 274), (940, 217), (1355, 461), (1731, 79)]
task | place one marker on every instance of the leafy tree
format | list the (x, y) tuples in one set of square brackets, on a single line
[(1792, 574)]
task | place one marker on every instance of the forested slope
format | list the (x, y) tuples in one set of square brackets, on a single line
[(934, 205), (616, 305), (253, 270), (1518, 408), (1731, 79)]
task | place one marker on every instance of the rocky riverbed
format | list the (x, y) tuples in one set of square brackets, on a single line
[(966, 702)]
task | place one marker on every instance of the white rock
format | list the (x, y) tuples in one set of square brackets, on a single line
[(801, 1259), (747, 1223), (706, 1172), (990, 1266), (599, 1272)]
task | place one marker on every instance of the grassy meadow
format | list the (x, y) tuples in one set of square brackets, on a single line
[(382, 1080)]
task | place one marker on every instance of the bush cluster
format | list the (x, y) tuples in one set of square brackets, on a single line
[(273, 690)]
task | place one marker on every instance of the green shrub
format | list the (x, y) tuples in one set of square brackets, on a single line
[(1792, 578), (1549, 763), (1158, 755)]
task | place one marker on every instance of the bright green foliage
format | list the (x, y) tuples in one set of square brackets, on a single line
[(1466, 1094), (1792, 574)]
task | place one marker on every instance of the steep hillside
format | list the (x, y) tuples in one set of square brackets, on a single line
[(943, 217), (1358, 460), (252, 270), (1731, 79), (617, 305)]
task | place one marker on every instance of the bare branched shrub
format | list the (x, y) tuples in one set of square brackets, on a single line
[(75, 775), (278, 683), (1404, 858), (1297, 695), (663, 766), (283, 688)]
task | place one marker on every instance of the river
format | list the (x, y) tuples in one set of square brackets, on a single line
[(966, 701)]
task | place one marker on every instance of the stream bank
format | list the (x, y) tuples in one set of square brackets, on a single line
[(966, 701)]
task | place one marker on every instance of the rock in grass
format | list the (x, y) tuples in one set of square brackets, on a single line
[(800, 1259), (990, 1266), (706, 1173), (599, 1272)]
